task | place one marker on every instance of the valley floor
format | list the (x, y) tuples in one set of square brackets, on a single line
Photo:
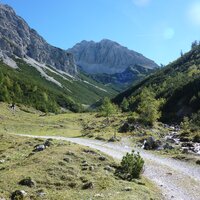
[(63, 171), (176, 179)]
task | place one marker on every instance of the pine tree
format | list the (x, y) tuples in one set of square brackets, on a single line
[(181, 53), (125, 105), (18, 91), (194, 44), (5, 94), (107, 108), (149, 107)]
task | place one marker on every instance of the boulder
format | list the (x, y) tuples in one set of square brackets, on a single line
[(88, 185), (41, 193), (113, 139), (150, 143), (170, 140), (91, 168), (187, 144), (83, 179), (28, 182), (89, 151), (99, 195), (48, 142), (85, 164), (67, 160), (100, 138), (102, 158), (167, 146), (70, 153), (185, 150), (127, 189), (184, 139), (84, 169), (2, 161), (18, 195), (108, 168), (39, 147)]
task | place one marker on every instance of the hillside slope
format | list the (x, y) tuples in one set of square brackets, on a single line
[(178, 83), (47, 89)]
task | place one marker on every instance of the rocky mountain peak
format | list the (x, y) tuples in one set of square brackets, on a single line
[(18, 39), (108, 57)]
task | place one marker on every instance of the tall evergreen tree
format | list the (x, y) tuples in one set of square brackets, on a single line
[(149, 107), (125, 105), (107, 108)]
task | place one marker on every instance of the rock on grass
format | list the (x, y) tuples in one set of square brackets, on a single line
[(28, 182), (88, 185), (18, 195)]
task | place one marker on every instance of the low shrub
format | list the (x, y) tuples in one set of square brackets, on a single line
[(131, 166)]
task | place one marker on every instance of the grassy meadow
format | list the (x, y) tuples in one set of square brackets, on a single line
[(63, 170)]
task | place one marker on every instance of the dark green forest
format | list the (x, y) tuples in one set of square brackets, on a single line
[(178, 83), (25, 86)]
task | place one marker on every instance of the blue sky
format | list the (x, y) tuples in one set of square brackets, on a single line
[(159, 29)]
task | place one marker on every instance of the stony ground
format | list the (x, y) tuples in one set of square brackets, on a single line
[(63, 171), (177, 179), (51, 169)]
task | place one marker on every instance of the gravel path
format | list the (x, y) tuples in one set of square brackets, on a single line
[(177, 180)]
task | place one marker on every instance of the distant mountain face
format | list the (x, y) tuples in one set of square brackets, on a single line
[(18, 39), (107, 57)]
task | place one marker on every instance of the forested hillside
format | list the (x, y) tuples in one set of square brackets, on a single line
[(178, 83), (26, 85)]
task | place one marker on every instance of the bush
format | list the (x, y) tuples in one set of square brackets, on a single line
[(149, 107), (131, 166), (196, 138), (107, 108)]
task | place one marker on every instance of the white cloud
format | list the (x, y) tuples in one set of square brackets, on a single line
[(194, 13), (141, 2), (168, 33)]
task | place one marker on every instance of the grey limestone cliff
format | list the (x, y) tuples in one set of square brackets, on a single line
[(18, 39), (108, 57)]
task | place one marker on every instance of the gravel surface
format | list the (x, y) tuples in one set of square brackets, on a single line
[(177, 180)]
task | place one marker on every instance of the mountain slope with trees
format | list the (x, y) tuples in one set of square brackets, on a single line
[(26, 85), (178, 83), (34, 73)]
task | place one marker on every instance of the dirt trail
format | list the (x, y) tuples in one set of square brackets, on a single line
[(177, 180)]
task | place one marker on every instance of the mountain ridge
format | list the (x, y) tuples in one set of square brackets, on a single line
[(17, 39), (107, 56)]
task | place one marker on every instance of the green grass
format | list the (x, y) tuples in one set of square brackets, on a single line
[(57, 178), (30, 121), (60, 179)]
